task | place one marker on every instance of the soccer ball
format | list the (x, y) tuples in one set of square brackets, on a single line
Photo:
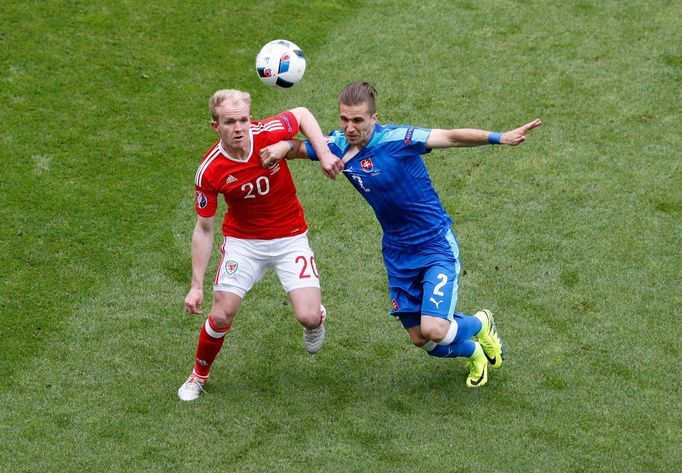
[(280, 63)]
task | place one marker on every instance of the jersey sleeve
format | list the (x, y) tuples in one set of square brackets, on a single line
[(408, 141), (282, 127), (205, 202), (335, 142)]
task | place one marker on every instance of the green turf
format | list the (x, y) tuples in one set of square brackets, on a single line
[(572, 239)]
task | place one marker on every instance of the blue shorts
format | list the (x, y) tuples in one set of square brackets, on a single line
[(424, 282)]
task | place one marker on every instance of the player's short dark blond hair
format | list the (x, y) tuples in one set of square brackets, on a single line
[(227, 95), (358, 93)]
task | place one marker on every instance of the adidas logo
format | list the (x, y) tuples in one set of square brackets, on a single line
[(231, 179)]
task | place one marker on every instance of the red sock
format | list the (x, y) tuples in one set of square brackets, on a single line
[(211, 340)]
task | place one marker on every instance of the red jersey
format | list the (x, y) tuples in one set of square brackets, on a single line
[(261, 203)]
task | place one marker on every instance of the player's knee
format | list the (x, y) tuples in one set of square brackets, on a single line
[(225, 307), (310, 317), (434, 332), (417, 339), (435, 328), (221, 319), (222, 315)]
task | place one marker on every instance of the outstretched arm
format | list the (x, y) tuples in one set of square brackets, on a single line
[(466, 137), (289, 149), (308, 125)]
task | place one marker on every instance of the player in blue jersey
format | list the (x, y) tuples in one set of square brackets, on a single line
[(421, 255)]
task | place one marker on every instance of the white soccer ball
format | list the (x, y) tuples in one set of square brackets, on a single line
[(280, 63)]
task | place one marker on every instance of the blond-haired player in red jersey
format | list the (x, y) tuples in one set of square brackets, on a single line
[(263, 227)]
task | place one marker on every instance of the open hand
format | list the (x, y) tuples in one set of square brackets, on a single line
[(518, 136)]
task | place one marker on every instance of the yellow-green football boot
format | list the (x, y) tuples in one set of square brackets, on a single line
[(489, 339), (478, 368)]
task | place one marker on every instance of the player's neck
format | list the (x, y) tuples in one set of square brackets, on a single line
[(350, 153), (359, 147), (240, 153)]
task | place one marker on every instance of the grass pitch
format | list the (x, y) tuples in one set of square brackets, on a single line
[(573, 240)]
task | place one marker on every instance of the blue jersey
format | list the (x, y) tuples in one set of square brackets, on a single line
[(391, 175)]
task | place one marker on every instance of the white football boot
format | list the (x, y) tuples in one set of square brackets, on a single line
[(191, 389)]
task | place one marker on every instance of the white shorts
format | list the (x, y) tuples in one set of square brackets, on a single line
[(245, 262)]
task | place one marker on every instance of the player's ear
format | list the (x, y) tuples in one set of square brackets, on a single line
[(214, 125)]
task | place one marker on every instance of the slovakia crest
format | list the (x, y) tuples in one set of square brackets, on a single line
[(202, 201), (367, 165)]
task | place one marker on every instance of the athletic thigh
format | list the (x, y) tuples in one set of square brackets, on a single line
[(294, 261), (243, 263), (440, 286)]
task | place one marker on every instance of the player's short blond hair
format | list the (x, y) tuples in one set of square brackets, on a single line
[(227, 95)]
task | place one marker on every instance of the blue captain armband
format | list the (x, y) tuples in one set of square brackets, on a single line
[(494, 138)]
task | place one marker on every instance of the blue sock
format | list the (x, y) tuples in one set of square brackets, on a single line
[(456, 349), (467, 327)]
